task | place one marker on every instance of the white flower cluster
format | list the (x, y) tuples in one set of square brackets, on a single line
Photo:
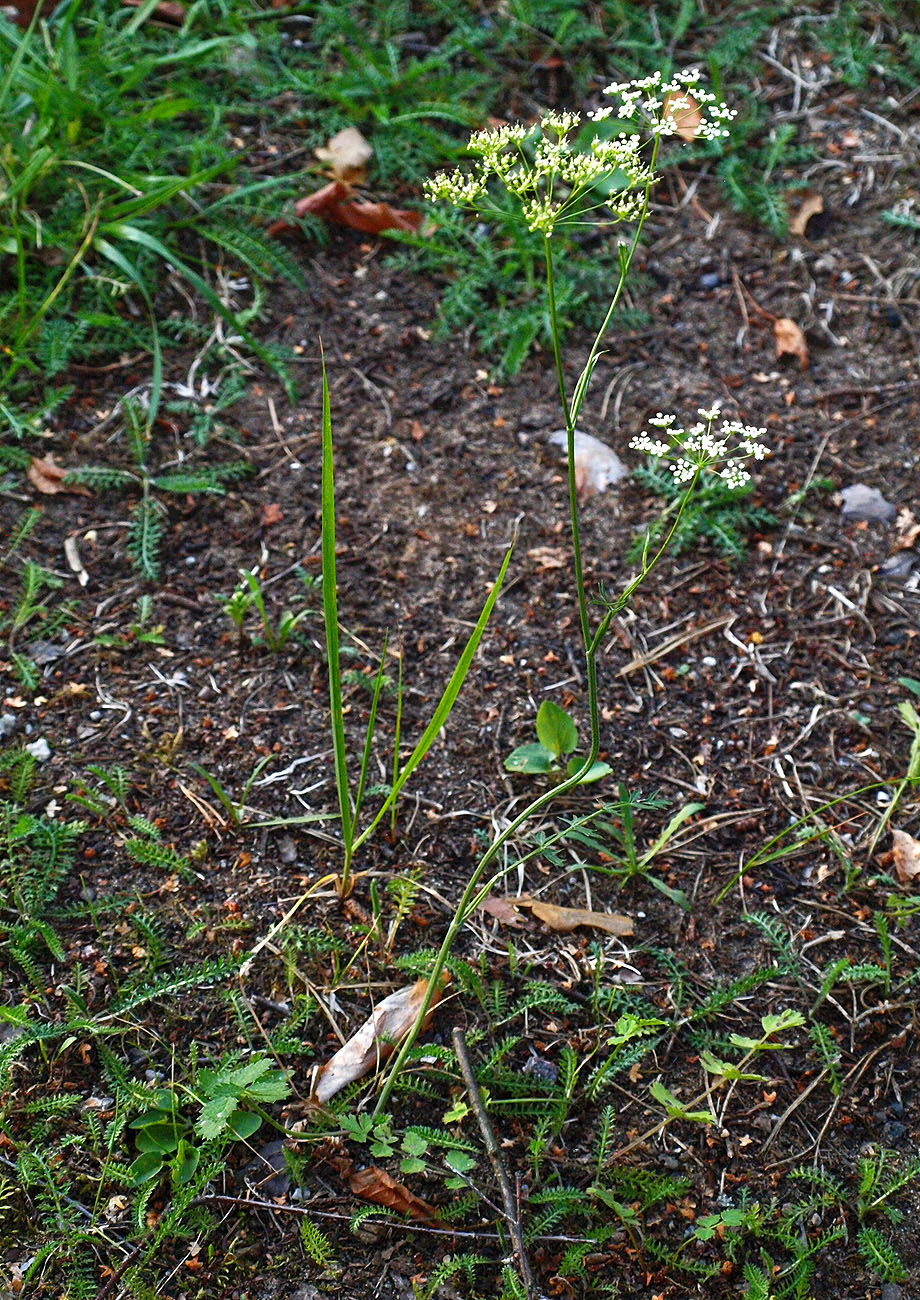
[(688, 451), (552, 172), (551, 178), (670, 107)]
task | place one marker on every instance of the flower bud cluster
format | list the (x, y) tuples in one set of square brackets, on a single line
[(551, 175), (688, 451), (552, 171)]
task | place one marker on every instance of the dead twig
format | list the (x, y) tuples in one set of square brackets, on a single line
[(509, 1201)]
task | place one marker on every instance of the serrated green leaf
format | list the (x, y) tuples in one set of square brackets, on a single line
[(414, 1143), (411, 1165), (459, 1161), (555, 729), (215, 1115)]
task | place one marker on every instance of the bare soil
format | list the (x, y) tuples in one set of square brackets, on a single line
[(761, 688)]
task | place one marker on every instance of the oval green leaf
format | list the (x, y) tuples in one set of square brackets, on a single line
[(555, 729), (530, 759)]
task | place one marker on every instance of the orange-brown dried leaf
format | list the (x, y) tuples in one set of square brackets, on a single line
[(907, 530), (48, 478), (905, 854), (790, 341), (347, 154), (376, 1185), (333, 203), (320, 201), (375, 1040), (566, 919), (503, 909), (810, 205), (167, 11)]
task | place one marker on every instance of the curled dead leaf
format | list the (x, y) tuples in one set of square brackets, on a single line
[(376, 1185), (375, 1040), (334, 202), (503, 909), (548, 557), (566, 919), (908, 530), (48, 478), (684, 112), (790, 341), (167, 11), (347, 154), (811, 203), (905, 854)]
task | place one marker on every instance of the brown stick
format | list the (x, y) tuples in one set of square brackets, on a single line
[(509, 1201)]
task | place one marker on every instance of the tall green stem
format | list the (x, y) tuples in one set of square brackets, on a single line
[(591, 643)]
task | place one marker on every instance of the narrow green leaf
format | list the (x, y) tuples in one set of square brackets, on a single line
[(331, 619)]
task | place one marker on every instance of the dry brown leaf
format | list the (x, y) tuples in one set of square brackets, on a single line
[(48, 478), (168, 11), (548, 557), (347, 155), (375, 1040), (905, 853), (503, 909), (271, 514), (565, 919), (684, 112), (811, 204), (374, 1184), (908, 530), (334, 203), (790, 341)]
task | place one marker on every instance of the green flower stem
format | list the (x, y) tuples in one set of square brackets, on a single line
[(581, 388)]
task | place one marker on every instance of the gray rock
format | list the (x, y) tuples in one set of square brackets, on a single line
[(867, 504), (40, 750), (7, 725), (898, 565)]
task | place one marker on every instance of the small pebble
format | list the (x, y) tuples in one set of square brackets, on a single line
[(710, 280), (40, 750), (7, 725)]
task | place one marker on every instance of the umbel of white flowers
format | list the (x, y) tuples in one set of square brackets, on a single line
[(688, 451), (552, 175)]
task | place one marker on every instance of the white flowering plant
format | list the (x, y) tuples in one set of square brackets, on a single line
[(560, 172)]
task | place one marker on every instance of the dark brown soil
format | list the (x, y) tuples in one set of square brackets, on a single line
[(761, 688)]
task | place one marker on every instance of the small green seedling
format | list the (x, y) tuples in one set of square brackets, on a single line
[(248, 595), (557, 736), (165, 1134)]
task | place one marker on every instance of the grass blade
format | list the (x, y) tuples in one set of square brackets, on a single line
[(331, 621), (446, 702)]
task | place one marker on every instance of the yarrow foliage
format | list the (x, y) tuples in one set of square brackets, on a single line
[(690, 451), (552, 171)]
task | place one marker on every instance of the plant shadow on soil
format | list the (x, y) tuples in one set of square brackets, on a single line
[(788, 699)]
